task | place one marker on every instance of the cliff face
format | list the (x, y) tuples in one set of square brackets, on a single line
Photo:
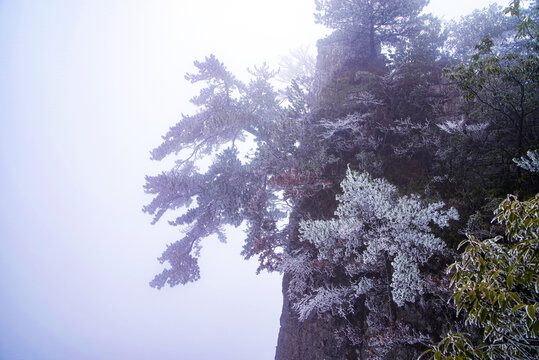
[(337, 54), (311, 339), (314, 338), (344, 69)]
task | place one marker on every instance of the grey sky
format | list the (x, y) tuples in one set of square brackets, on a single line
[(86, 90)]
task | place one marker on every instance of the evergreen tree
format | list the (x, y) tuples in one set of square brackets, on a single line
[(382, 22), (235, 188), (468, 31), (370, 253), (362, 265)]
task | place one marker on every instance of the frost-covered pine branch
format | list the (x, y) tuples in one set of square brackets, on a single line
[(531, 163), (373, 228)]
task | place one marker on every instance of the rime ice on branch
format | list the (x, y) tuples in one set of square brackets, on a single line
[(231, 192), (375, 244)]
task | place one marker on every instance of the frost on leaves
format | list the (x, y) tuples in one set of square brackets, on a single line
[(531, 163), (375, 245), (231, 191)]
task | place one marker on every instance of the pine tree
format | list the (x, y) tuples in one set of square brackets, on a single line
[(235, 188), (382, 22), (361, 264)]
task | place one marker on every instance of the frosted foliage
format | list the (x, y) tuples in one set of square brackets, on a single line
[(297, 265), (383, 21), (461, 127), (406, 283), (373, 229), (230, 191), (351, 131), (531, 163), (332, 299)]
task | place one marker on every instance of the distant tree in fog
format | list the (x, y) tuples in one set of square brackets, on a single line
[(382, 22)]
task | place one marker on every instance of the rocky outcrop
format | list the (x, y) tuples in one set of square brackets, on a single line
[(314, 338), (341, 52), (345, 68)]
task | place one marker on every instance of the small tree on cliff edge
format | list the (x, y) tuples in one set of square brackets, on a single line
[(382, 22)]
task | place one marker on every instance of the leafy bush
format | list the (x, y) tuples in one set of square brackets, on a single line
[(496, 284)]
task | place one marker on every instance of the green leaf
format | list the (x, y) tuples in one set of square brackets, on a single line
[(424, 353), (503, 304), (530, 310), (460, 346), (483, 315), (514, 296), (458, 296), (510, 281), (479, 353), (535, 328)]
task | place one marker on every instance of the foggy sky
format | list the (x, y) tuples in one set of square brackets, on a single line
[(87, 89)]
